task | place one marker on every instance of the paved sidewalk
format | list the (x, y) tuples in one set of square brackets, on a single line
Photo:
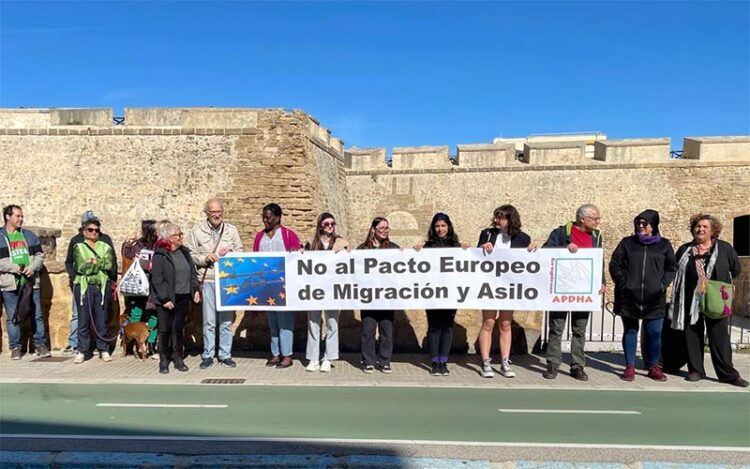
[(408, 370)]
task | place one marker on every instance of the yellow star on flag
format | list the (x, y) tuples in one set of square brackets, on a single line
[(240, 259), (265, 265), (253, 261), (228, 264), (282, 295), (223, 275), (252, 300), (271, 301), (230, 290)]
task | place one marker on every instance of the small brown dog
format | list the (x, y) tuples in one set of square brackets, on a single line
[(137, 332)]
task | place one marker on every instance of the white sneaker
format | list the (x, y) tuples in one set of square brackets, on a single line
[(312, 366), (79, 358), (325, 367), (487, 369), (506, 370), (106, 357)]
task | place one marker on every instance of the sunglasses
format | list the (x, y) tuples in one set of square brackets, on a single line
[(643, 223), (328, 224), (93, 230)]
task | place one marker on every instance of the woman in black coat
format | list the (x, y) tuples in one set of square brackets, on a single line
[(642, 266), (705, 258), (174, 283)]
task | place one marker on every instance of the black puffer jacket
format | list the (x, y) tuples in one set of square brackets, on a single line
[(642, 272)]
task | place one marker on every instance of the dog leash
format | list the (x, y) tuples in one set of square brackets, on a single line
[(91, 318)]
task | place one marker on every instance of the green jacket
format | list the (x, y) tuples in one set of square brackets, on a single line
[(92, 274)]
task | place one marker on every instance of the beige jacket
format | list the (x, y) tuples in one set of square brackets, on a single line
[(201, 244)]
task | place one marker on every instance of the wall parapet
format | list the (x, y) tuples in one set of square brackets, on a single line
[(365, 159), (726, 148), (486, 155), (422, 157), (632, 150), (547, 153), (35, 118)]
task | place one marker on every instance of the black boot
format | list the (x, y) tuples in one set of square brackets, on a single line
[(163, 366), (180, 365)]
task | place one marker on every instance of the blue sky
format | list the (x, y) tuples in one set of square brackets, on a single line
[(396, 74)]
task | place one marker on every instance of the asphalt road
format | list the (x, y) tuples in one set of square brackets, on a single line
[(495, 424)]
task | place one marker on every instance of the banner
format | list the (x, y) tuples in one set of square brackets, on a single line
[(392, 279)]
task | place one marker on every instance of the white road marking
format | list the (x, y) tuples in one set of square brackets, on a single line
[(175, 406), (373, 441), (569, 411)]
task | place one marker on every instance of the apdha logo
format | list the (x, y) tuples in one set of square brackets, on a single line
[(572, 281)]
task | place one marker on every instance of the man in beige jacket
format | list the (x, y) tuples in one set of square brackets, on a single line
[(209, 240)]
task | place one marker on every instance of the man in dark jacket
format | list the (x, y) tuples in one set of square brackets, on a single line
[(582, 233), (88, 217)]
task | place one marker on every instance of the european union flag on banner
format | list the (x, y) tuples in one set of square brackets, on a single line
[(252, 281)]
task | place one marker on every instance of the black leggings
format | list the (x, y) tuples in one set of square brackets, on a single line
[(440, 333)]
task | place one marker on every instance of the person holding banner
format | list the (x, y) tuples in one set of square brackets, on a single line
[(208, 241), (382, 321), (706, 258), (505, 232), (642, 267), (440, 321), (582, 233), (275, 237), (324, 239)]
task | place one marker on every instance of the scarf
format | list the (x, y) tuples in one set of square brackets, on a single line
[(677, 304), (649, 239)]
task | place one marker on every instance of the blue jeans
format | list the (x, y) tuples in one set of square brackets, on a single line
[(14, 330), (281, 325), (653, 339), (210, 317), (73, 337)]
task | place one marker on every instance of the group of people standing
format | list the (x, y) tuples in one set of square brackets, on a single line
[(180, 269)]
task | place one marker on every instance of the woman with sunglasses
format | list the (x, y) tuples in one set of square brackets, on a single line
[(174, 283), (92, 289), (504, 233), (440, 321), (642, 267), (324, 239), (377, 238)]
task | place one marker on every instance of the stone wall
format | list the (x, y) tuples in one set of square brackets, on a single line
[(164, 163)]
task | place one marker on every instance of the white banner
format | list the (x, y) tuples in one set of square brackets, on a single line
[(391, 279)]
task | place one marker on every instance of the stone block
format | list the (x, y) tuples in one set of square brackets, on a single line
[(486, 155), (557, 153), (427, 157), (717, 148), (203, 118), (91, 117), (644, 150), (363, 159)]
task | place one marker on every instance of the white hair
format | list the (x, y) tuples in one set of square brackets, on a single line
[(584, 210), (168, 229)]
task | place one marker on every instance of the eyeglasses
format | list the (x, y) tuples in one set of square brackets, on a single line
[(93, 230), (594, 218), (643, 223), (329, 224), (383, 229), (177, 234)]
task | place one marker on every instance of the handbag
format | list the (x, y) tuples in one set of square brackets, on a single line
[(716, 302), (135, 281)]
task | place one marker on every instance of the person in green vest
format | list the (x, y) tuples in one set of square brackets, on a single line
[(92, 289), (21, 259)]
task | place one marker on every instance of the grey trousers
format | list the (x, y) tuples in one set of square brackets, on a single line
[(313, 335), (578, 322)]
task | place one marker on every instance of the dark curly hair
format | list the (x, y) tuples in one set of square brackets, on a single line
[(511, 214)]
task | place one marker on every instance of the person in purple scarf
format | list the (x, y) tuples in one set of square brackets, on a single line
[(642, 267)]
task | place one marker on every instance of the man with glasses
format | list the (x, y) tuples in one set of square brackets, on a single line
[(209, 240), (21, 259), (89, 216), (581, 234)]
